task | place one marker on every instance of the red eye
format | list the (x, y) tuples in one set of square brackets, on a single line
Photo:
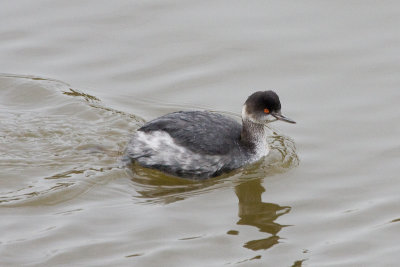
[(266, 110)]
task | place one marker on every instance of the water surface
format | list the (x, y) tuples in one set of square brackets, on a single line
[(80, 77)]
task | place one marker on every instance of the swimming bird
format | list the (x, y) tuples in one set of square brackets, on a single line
[(203, 144)]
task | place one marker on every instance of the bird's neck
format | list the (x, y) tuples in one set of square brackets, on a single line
[(253, 132), (254, 136)]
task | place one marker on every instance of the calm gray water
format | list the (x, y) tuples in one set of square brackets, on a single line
[(79, 77)]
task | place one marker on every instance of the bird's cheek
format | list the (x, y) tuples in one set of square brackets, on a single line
[(269, 118)]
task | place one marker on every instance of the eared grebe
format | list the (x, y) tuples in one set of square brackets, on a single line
[(201, 144)]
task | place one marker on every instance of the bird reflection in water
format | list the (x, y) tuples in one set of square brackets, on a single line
[(254, 212), (157, 188)]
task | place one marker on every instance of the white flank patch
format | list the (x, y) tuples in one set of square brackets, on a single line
[(157, 140), (161, 149)]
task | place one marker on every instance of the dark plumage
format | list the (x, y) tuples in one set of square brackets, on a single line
[(199, 131)]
